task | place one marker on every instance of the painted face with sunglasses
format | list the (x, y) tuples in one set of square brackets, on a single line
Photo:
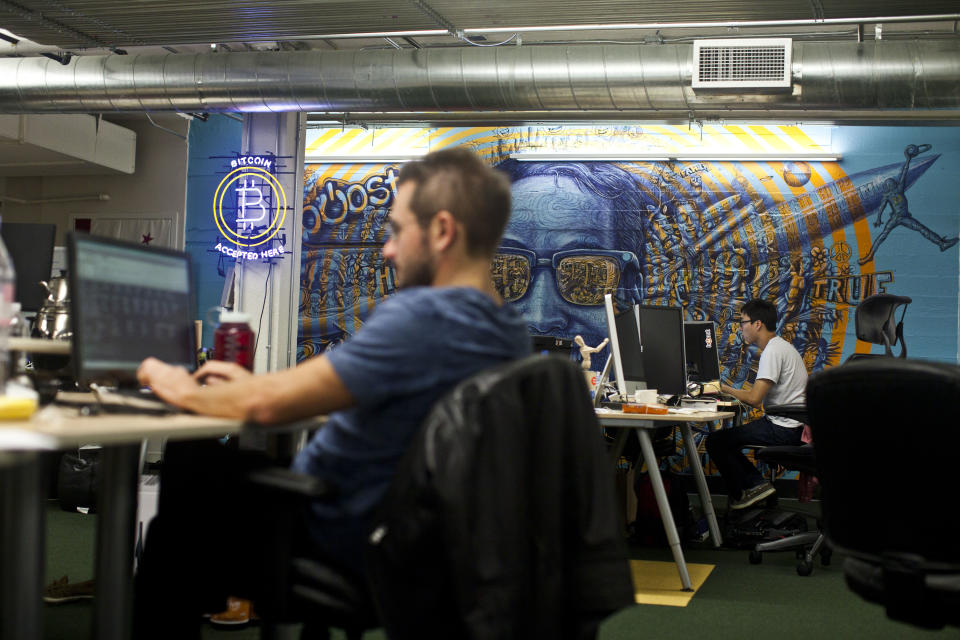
[(564, 248)]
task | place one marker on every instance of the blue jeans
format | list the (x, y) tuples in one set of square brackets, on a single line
[(725, 448)]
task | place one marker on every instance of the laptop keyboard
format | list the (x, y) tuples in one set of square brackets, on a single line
[(131, 401)]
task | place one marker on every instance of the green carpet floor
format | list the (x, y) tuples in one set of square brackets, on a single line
[(738, 600)]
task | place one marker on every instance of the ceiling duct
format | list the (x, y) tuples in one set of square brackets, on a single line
[(651, 79), (751, 63)]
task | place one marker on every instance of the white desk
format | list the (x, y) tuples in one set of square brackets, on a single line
[(641, 424), (24, 515)]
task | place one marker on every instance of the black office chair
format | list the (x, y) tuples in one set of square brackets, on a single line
[(896, 524), (875, 321), (793, 458), (303, 592), (502, 517)]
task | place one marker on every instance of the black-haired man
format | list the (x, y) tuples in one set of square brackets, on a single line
[(781, 379)]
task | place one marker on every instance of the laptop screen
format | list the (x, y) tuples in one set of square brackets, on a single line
[(128, 302)]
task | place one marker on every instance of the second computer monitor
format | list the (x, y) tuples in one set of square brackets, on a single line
[(31, 248), (700, 342), (664, 362), (623, 327), (551, 346)]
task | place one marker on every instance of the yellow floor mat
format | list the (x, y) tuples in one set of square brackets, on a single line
[(659, 582)]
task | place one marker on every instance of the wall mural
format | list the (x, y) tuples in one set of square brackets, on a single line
[(706, 236)]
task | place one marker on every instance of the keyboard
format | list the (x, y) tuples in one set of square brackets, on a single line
[(131, 401), (720, 397)]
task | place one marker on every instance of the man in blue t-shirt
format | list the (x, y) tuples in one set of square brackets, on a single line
[(445, 324)]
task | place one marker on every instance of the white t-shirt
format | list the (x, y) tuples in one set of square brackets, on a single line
[(782, 365)]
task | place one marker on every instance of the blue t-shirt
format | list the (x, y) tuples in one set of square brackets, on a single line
[(417, 345)]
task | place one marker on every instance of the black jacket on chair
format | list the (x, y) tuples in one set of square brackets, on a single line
[(502, 520)]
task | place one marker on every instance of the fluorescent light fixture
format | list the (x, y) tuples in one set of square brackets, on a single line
[(686, 156), (586, 157), (358, 159), (780, 156), (416, 33)]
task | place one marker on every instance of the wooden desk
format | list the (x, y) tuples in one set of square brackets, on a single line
[(641, 424), (40, 345), (24, 515)]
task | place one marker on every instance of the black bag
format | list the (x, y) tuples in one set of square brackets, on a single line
[(77, 481)]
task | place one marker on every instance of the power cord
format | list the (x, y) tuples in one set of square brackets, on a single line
[(266, 288)]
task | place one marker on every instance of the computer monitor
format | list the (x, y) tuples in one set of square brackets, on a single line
[(30, 246), (664, 362), (623, 327), (703, 356), (551, 346), (127, 302)]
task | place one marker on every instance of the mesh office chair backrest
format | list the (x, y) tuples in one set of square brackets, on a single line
[(875, 321), (887, 476)]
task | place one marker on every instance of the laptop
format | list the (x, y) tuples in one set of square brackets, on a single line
[(127, 302)]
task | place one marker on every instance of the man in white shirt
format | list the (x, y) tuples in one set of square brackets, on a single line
[(781, 379)]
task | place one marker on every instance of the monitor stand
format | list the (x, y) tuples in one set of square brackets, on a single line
[(630, 386)]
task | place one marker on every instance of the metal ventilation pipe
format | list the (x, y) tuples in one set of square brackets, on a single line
[(615, 78)]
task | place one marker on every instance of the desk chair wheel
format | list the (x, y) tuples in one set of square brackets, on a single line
[(804, 568), (755, 557)]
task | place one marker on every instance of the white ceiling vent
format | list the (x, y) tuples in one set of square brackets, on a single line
[(754, 63)]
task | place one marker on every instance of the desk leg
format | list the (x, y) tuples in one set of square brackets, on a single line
[(664, 505), (117, 507), (693, 458), (22, 539)]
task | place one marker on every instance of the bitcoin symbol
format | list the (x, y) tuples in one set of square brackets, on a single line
[(243, 220)]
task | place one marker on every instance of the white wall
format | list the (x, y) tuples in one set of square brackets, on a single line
[(156, 189)]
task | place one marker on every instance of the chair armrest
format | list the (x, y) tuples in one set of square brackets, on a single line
[(797, 411), (292, 483)]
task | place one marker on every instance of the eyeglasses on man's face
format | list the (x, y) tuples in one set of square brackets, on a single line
[(743, 322), (583, 276)]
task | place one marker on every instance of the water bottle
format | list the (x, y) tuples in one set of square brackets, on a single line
[(233, 339), (8, 281), (18, 329)]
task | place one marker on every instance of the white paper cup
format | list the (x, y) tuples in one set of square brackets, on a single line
[(591, 378)]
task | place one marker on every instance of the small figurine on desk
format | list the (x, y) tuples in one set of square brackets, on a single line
[(586, 350)]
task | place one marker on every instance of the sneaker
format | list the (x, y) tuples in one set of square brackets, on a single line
[(60, 591), (238, 611), (753, 495)]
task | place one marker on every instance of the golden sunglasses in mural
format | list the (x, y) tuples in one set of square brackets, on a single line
[(583, 276)]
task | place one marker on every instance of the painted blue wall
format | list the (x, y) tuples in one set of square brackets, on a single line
[(218, 136), (921, 270)]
